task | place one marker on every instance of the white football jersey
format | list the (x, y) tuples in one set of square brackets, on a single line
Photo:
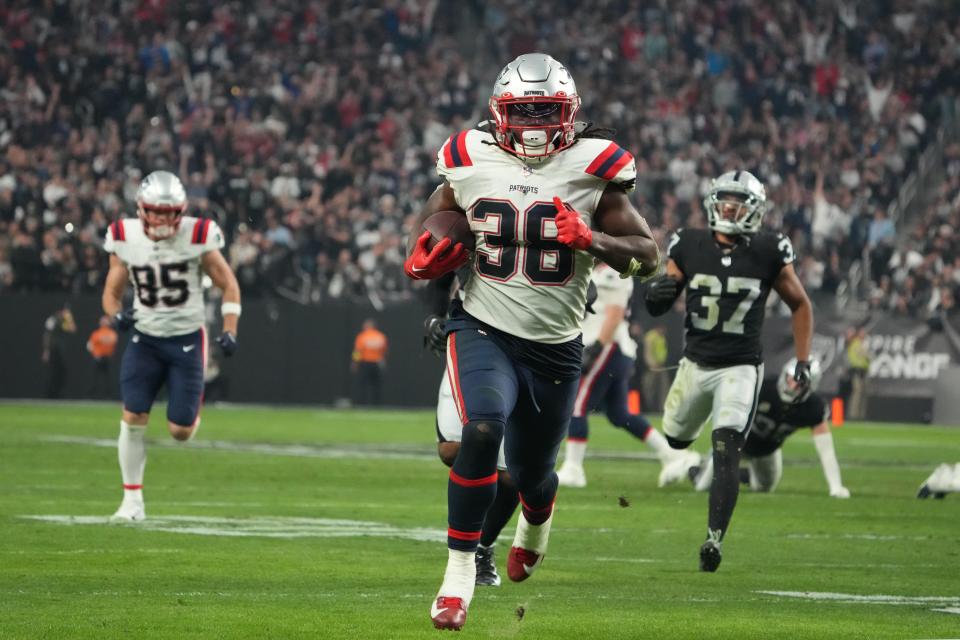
[(526, 283), (166, 275), (611, 290)]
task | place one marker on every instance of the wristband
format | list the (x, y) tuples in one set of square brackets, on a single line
[(230, 308), (635, 266)]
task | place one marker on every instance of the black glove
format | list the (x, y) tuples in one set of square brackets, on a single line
[(663, 289), (661, 292), (228, 343), (434, 336), (124, 319), (590, 355), (803, 378)]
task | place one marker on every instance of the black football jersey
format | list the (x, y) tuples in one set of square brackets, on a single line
[(727, 288), (776, 420)]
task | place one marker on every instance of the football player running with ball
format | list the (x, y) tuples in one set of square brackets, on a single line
[(728, 271), (543, 200), (165, 255)]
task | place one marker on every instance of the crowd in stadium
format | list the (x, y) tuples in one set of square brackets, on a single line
[(315, 169)]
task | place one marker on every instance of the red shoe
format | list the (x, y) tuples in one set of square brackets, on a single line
[(521, 563), (448, 613)]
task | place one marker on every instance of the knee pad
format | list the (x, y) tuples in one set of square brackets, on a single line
[(479, 448), (677, 444), (727, 440)]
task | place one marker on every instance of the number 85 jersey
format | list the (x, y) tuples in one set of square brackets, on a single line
[(166, 275), (727, 289), (524, 281)]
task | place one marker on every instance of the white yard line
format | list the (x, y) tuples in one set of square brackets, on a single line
[(260, 527), (952, 602)]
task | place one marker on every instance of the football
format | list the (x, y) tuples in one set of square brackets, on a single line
[(449, 224)]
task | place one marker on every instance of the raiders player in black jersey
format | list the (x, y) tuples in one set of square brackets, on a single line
[(781, 411), (728, 271)]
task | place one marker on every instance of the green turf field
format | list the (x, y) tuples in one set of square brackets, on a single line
[(282, 523)]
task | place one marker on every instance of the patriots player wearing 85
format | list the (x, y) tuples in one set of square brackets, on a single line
[(604, 382), (728, 271), (164, 255), (543, 202), (784, 408)]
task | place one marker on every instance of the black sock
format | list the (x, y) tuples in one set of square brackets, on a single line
[(501, 511), (727, 445)]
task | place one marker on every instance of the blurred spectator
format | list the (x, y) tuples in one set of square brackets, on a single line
[(55, 329), (101, 345), (858, 363), (656, 378), (369, 362)]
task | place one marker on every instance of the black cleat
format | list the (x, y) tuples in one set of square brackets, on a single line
[(487, 575), (710, 556)]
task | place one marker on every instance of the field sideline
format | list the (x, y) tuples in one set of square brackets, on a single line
[(297, 523)]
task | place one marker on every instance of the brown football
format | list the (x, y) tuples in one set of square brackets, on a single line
[(449, 224)]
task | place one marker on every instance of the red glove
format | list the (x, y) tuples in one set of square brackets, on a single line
[(571, 229), (427, 265)]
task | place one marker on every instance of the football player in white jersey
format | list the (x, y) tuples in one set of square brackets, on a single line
[(604, 383), (165, 255), (543, 202)]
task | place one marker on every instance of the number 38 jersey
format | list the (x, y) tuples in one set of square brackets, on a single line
[(166, 275), (727, 290), (524, 281)]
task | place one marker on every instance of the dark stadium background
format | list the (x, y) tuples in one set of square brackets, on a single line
[(309, 131)]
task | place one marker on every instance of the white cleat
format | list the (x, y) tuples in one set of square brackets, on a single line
[(676, 469), (572, 476), (129, 511)]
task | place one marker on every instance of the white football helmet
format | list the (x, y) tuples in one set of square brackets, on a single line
[(786, 387), (735, 203), (534, 103), (161, 201)]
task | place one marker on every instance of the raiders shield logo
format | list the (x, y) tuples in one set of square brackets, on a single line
[(726, 261)]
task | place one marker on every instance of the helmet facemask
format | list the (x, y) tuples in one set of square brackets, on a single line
[(160, 222), (534, 126), (735, 204)]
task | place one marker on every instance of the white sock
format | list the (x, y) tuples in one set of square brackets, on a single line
[(533, 537), (576, 451), (658, 443), (828, 459), (460, 577), (132, 453)]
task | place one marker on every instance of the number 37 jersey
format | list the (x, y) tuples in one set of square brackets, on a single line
[(166, 275), (727, 291), (524, 281)]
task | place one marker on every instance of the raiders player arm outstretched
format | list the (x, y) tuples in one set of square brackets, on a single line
[(623, 239), (790, 289), (223, 278)]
